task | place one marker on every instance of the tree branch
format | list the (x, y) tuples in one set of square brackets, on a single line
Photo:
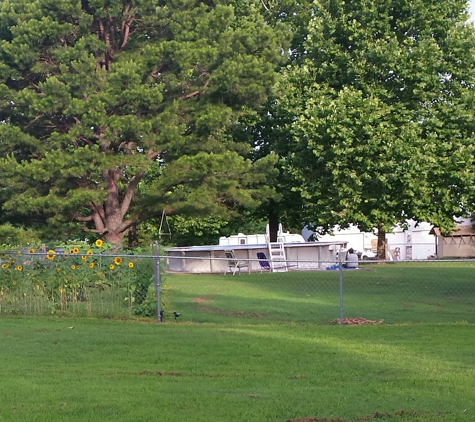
[(125, 27), (99, 209), (126, 225), (195, 93), (87, 229), (84, 219), (151, 154), (129, 192)]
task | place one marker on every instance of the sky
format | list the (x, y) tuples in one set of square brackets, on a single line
[(472, 9)]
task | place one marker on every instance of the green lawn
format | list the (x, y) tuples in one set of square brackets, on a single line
[(423, 292), (256, 348)]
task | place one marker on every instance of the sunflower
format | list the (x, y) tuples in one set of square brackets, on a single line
[(14, 283), (99, 243), (50, 255), (99, 274), (5, 265), (31, 250), (111, 267), (131, 265), (75, 250), (73, 267), (19, 268), (84, 257), (89, 252), (117, 260), (91, 265)]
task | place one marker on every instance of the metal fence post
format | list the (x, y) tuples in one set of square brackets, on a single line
[(340, 266), (156, 274)]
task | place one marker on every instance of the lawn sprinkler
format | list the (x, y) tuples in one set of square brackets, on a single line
[(161, 316), (176, 314)]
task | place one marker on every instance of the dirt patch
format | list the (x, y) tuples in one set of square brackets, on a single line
[(376, 415), (160, 373), (201, 300), (357, 321), (167, 374), (316, 420), (433, 303), (239, 314)]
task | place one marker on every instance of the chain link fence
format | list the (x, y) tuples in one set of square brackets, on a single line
[(395, 292), (85, 283), (76, 282)]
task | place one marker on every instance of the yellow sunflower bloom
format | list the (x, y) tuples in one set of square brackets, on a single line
[(131, 265), (73, 267), (19, 268), (118, 260), (99, 243), (75, 250), (31, 250), (14, 283), (50, 255), (100, 274), (91, 265), (83, 257), (4, 266), (89, 252), (111, 267)]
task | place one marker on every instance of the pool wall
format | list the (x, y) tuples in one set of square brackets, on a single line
[(211, 259)]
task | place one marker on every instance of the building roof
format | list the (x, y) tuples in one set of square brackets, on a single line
[(457, 231)]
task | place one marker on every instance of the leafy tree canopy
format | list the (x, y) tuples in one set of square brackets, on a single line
[(95, 93), (382, 101)]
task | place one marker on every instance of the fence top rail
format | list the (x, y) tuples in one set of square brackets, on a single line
[(333, 261), (19, 253), (151, 256)]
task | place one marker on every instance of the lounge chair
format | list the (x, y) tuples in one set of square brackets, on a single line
[(263, 262), (234, 264), (277, 267)]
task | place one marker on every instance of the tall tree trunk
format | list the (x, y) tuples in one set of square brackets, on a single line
[(273, 225), (381, 253), (109, 217), (114, 238)]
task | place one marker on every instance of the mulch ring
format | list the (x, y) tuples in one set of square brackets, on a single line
[(357, 321)]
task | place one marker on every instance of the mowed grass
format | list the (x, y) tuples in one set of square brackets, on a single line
[(249, 348), (424, 292)]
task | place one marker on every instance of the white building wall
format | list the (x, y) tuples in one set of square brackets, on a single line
[(413, 243)]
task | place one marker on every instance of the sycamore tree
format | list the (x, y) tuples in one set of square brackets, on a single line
[(96, 94), (383, 104), (268, 130)]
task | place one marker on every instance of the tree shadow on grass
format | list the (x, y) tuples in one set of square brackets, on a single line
[(397, 294)]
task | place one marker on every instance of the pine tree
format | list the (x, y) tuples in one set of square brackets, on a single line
[(96, 93)]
